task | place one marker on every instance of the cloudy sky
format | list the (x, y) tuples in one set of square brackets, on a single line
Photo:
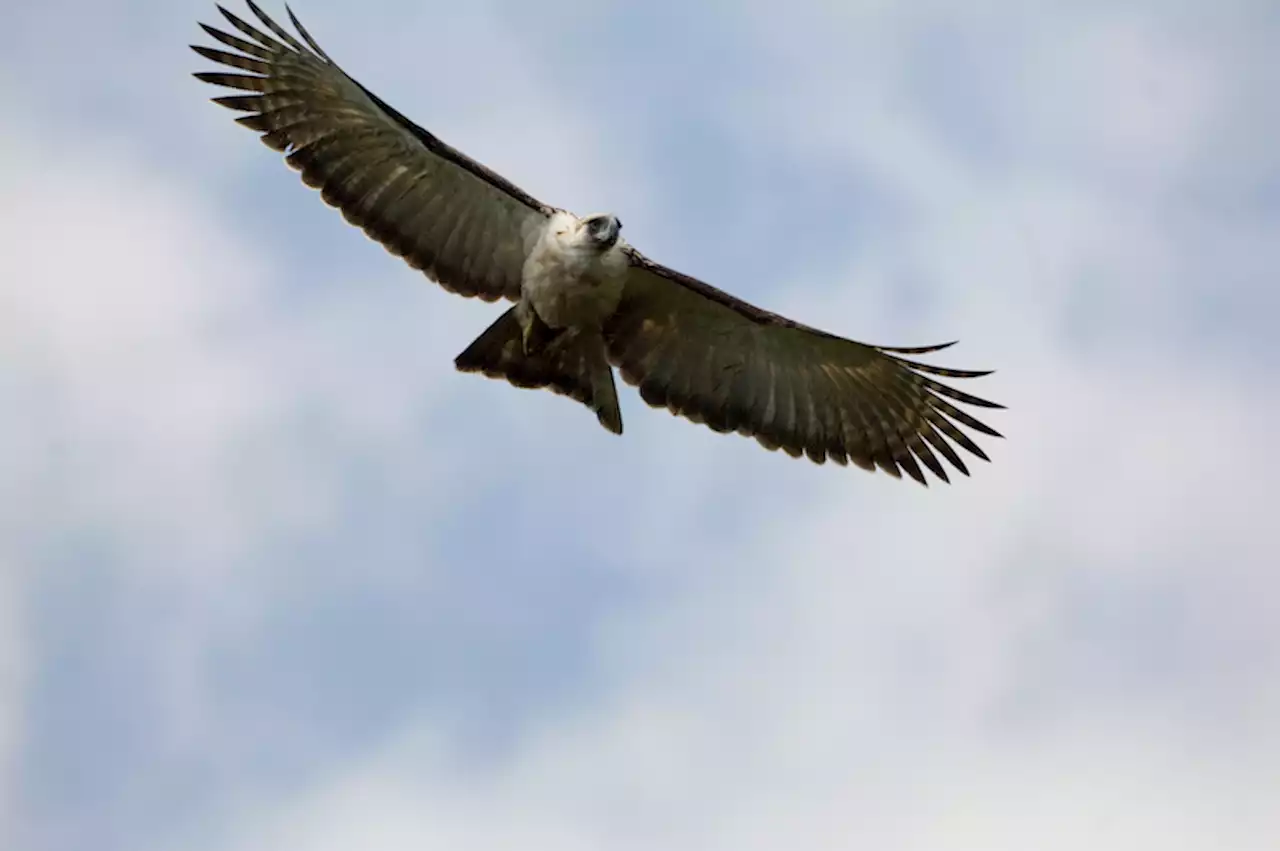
[(274, 575)]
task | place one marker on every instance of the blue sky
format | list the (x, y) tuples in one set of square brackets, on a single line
[(273, 574)]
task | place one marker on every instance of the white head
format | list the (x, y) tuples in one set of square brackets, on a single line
[(597, 232)]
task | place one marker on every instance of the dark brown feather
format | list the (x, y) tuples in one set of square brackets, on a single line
[(713, 358), (465, 226), (572, 364)]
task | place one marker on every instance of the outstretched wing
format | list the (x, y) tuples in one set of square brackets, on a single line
[(718, 360), (463, 225)]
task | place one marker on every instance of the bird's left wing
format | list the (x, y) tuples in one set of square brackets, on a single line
[(715, 359), (465, 226)]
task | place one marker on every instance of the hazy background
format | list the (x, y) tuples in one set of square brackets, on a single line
[(273, 575)]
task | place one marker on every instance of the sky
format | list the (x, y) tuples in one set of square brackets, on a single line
[(274, 575)]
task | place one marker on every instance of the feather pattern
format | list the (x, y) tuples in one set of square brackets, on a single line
[(716, 359), (464, 226)]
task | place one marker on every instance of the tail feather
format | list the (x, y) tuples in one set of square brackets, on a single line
[(573, 364)]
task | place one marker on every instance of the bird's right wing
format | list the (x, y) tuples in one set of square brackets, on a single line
[(465, 226), (716, 359)]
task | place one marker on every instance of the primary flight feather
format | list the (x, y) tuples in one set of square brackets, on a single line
[(585, 300)]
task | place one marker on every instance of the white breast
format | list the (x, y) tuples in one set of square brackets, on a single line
[(569, 282)]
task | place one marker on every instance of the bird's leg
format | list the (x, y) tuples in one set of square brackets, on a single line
[(536, 335)]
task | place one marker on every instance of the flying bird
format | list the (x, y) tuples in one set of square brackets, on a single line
[(585, 300)]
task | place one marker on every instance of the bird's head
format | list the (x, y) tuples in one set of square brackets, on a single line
[(601, 230)]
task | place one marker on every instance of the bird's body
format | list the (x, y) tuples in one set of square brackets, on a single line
[(586, 302), (573, 277)]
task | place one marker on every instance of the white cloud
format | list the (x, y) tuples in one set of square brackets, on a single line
[(1049, 655), (13, 679), (1074, 648), (972, 670)]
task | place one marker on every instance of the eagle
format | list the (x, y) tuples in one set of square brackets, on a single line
[(585, 301)]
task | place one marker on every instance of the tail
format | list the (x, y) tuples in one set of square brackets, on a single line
[(572, 364)]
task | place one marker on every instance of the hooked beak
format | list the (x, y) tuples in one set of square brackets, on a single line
[(604, 230)]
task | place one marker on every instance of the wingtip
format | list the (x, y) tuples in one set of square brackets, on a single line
[(917, 350), (306, 36)]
